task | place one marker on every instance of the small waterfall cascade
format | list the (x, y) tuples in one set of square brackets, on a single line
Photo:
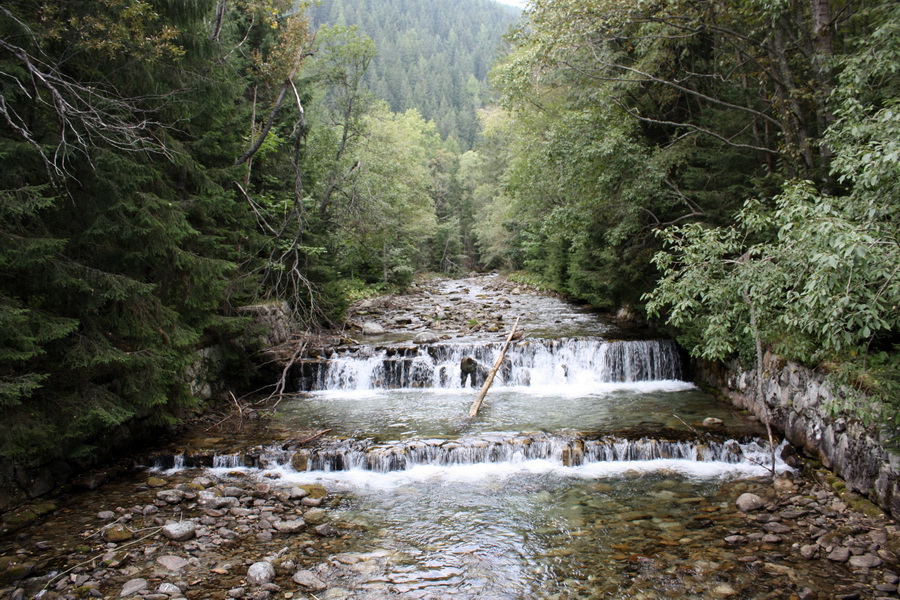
[(562, 450), (530, 363)]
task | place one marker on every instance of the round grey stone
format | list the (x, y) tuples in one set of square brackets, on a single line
[(180, 532), (748, 502), (260, 573)]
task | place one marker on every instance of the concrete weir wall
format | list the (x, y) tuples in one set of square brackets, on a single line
[(799, 399)]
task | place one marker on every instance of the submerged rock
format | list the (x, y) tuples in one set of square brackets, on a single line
[(748, 502), (260, 573)]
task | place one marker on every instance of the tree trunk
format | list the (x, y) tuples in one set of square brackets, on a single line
[(760, 396)]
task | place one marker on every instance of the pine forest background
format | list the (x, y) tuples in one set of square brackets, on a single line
[(726, 169)]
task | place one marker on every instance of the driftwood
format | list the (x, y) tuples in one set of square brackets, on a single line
[(490, 378)]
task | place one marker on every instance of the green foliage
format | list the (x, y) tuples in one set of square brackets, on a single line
[(119, 239), (432, 56), (824, 273)]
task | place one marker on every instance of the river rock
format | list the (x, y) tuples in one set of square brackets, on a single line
[(712, 422), (748, 502), (173, 563), (106, 515), (315, 516), (426, 337), (117, 534), (297, 493), (291, 526), (809, 551), (309, 580), (170, 496), (180, 532), (260, 573), (839, 554), (328, 530), (133, 587), (372, 328), (169, 589), (867, 561), (233, 492)]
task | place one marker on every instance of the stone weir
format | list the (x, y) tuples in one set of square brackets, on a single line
[(528, 363), (570, 450)]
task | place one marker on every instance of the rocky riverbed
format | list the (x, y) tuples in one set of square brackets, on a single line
[(252, 534), (198, 535)]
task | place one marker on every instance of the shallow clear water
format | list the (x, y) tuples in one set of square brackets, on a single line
[(404, 414)]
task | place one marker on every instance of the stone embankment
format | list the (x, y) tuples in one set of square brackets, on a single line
[(800, 401)]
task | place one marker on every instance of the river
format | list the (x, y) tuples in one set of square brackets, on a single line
[(594, 469)]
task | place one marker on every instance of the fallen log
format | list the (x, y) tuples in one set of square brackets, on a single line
[(490, 378)]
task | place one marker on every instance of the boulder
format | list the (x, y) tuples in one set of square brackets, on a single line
[(372, 328), (426, 337)]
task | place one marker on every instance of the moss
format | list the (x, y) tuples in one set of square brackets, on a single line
[(862, 505), (20, 517), (314, 490), (12, 570)]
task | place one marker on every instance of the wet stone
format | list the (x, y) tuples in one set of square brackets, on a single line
[(867, 561), (839, 554), (172, 563), (748, 502), (180, 532), (133, 586), (260, 573), (309, 580)]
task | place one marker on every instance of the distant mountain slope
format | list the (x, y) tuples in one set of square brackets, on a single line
[(433, 55)]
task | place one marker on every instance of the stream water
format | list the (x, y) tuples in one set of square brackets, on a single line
[(587, 473)]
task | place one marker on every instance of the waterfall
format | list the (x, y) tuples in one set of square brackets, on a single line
[(564, 450), (530, 363)]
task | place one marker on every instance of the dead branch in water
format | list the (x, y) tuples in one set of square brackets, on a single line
[(490, 378)]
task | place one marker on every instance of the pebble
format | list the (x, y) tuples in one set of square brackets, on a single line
[(180, 532)]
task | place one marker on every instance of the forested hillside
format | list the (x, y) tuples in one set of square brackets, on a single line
[(432, 56)]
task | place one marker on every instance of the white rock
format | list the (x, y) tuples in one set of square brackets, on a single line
[(169, 589), (426, 337), (260, 573)]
